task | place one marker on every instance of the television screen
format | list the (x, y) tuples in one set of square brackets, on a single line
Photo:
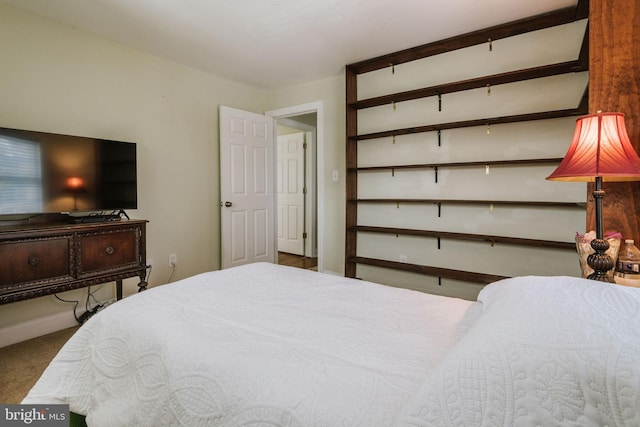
[(50, 173)]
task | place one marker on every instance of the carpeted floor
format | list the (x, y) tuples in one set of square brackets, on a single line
[(23, 363)]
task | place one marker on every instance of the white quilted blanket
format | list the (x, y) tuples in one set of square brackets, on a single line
[(545, 352), (255, 345)]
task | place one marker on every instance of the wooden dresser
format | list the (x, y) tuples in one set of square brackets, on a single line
[(43, 259)]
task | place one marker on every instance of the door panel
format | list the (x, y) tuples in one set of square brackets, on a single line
[(260, 167), (239, 233), (238, 166), (260, 243)]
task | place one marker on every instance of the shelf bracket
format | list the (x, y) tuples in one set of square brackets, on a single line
[(490, 44), (439, 102), (439, 209), (393, 68), (393, 103), (439, 281), (439, 242), (439, 138), (435, 169), (393, 172)]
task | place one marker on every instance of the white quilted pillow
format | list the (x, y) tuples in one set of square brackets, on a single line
[(546, 351)]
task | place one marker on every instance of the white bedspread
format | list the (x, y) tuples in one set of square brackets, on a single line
[(546, 351), (255, 345)]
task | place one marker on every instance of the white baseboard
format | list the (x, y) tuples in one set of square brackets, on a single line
[(36, 328), (335, 273)]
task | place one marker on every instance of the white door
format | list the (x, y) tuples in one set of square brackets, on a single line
[(291, 193), (246, 187), (315, 172)]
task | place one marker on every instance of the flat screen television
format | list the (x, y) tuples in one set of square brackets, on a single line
[(43, 173)]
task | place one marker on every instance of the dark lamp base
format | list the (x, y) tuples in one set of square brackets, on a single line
[(600, 261)]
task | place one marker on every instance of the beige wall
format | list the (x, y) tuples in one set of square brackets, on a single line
[(54, 78)]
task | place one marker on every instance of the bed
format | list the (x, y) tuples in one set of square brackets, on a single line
[(264, 344)]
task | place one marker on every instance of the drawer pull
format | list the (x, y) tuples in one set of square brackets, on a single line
[(109, 250), (33, 261)]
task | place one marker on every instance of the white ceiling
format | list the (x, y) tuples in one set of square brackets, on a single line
[(275, 43)]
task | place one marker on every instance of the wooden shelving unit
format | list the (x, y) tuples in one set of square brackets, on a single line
[(353, 138)]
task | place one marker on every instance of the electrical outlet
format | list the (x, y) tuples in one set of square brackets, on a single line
[(403, 258), (173, 260)]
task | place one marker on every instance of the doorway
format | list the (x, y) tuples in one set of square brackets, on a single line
[(307, 120)]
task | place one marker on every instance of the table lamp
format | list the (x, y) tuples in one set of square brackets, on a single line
[(75, 185), (600, 151)]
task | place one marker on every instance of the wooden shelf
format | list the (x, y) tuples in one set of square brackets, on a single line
[(445, 273), (480, 82), (523, 203), (522, 26), (544, 115), (468, 237), (520, 162)]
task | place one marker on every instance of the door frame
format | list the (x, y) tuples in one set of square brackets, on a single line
[(317, 153), (310, 208)]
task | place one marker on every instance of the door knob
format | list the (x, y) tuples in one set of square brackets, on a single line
[(228, 204)]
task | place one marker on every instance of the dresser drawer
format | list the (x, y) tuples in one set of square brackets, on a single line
[(104, 252), (35, 260)]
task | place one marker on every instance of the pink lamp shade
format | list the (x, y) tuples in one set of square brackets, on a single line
[(600, 148)]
